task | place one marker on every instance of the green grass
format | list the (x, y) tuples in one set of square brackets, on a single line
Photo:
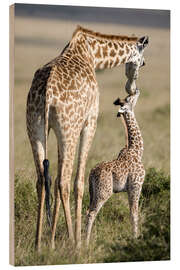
[(111, 239)]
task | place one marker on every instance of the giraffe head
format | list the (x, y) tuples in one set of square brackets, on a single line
[(127, 104), (136, 59)]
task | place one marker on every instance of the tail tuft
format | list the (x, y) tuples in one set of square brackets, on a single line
[(90, 191), (46, 164), (47, 190)]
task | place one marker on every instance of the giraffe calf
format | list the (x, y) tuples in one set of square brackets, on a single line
[(126, 173)]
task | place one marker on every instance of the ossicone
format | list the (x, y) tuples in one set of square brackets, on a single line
[(143, 41), (117, 101)]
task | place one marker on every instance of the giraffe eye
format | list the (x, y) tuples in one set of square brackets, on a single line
[(122, 109)]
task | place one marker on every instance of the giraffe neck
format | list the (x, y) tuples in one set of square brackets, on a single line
[(107, 51), (110, 53), (126, 131), (134, 137)]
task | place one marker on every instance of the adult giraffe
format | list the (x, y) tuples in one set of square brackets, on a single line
[(64, 96)]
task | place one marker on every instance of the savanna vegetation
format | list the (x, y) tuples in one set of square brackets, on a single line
[(111, 239)]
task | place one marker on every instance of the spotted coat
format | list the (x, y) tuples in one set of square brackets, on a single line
[(126, 173), (64, 96)]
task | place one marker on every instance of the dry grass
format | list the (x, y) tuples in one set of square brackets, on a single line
[(37, 42)]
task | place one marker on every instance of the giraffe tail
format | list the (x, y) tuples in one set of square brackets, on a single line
[(47, 178), (90, 191), (47, 190)]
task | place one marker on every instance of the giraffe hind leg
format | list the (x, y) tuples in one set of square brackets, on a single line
[(65, 168), (101, 189), (93, 211), (38, 153), (64, 188), (57, 202), (98, 197), (66, 155)]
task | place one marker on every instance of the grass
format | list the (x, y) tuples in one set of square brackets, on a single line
[(111, 235), (111, 239)]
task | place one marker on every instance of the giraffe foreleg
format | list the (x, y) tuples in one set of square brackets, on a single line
[(86, 138)]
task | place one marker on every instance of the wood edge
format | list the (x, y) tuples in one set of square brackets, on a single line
[(11, 133)]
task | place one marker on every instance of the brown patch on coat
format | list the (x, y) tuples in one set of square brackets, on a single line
[(127, 49), (121, 52), (98, 53), (105, 51), (112, 53)]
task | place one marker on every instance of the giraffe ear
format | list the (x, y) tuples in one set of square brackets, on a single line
[(117, 101), (143, 41)]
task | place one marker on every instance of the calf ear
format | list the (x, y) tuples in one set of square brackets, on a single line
[(117, 101), (143, 41)]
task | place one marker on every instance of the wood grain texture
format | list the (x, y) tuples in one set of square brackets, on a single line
[(11, 135)]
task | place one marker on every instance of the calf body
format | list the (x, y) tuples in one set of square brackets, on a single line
[(126, 173)]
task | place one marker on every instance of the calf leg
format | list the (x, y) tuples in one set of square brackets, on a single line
[(91, 218), (134, 192)]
